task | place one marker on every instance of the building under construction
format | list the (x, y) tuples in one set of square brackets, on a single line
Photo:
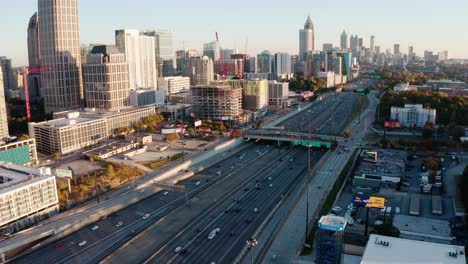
[(218, 102)]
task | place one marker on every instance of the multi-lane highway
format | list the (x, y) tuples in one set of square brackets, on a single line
[(238, 217), (108, 236), (331, 113)]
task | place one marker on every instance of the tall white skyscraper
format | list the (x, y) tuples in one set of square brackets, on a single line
[(60, 51), (140, 52), (344, 40), (3, 113), (306, 39), (372, 43)]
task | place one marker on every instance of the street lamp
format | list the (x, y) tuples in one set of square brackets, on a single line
[(252, 243)]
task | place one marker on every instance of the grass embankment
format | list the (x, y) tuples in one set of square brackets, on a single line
[(156, 164), (328, 204)]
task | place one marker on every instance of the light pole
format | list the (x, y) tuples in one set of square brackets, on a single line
[(95, 180), (307, 189), (252, 243)]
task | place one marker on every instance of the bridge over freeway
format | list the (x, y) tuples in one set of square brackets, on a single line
[(297, 139)]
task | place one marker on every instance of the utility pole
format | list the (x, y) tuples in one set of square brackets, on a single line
[(95, 181), (307, 189)]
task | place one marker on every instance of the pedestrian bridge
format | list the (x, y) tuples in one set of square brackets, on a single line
[(297, 139)]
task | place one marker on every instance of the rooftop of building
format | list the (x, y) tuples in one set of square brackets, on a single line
[(445, 81), (109, 147), (13, 175), (390, 163), (105, 49), (64, 122), (389, 250), (332, 222)]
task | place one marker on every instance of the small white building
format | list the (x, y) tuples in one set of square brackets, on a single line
[(390, 250), (413, 115), (173, 85)]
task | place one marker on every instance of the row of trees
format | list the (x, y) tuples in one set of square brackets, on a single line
[(392, 77), (312, 84), (451, 111)]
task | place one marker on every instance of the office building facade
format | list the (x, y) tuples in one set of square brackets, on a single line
[(265, 62), (282, 63), (344, 41), (140, 53), (413, 115), (164, 51), (173, 85), (211, 50), (146, 97), (278, 93), (229, 68), (306, 39), (254, 93), (106, 78), (60, 52), (34, 58)]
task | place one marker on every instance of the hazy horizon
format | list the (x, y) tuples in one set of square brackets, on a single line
[(426, 25)]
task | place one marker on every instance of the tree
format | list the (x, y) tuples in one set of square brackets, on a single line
[(110, 171), (427, 132), (236, 133), (387, 229), (456, 132), (150, 129), (23, 137), (172, 137), (191, 132), (138, 125)]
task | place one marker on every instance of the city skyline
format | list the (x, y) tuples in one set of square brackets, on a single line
[(193, 25)]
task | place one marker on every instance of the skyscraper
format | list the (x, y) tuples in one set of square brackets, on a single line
[(211, 50), (106, 78), (330, 239), (34, 56), (264, 62), (282, 63), (306, 39), (372, 43), (353, 44), (344, 40), (327, 47), (396, 49), (3, 113), (140, 53), (200, 70), (7, 72), (60, 51), (165, 59)]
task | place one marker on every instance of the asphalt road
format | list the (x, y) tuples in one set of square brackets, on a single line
[(109, 237), (318, 118), (237, 221)]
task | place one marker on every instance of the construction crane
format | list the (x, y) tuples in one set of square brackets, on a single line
[(26, 73)]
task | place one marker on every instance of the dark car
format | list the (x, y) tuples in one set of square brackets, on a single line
[(183, 252), (59, 244), (248, 220)]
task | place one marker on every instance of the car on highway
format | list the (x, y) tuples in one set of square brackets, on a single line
[(82, 243), (183, 252), (197, 183), (271, 185), (146, 216), (165, 193), (255, 210), (59, 244), (177, 249), (95, 227), (213, 233), (119, 224), (248, 220), (274, 257)]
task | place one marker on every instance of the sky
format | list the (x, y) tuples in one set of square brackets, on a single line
[(258, 24)]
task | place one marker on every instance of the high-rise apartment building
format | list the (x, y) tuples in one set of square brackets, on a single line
[(211, 50), (200, 70), (354, 44), (140, 53), (372, 43), (229, 67), (306, 40), (165, 59), (254, 93), (218, 102), (106, 78), (278, 93), (60, 52), (34, 57), (344, 40), (264, 62), (3, 113)]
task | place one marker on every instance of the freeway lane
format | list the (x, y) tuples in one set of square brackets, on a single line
[(157, 205), (317, 119), (237, 226)]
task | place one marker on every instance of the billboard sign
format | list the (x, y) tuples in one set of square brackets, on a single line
[(197, 123), (368, 201), (167, 131), (392, 124), (64, 173)]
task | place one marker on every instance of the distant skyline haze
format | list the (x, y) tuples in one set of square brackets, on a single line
[(270, 25)]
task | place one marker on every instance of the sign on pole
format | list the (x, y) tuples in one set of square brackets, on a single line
[(368, 201), (64, 173)]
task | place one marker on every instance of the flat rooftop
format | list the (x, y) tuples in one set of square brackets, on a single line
[(423, 229), (388, 163), (332, 222), (16, 176), (114, 145), (63, 122), (405, 251)]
